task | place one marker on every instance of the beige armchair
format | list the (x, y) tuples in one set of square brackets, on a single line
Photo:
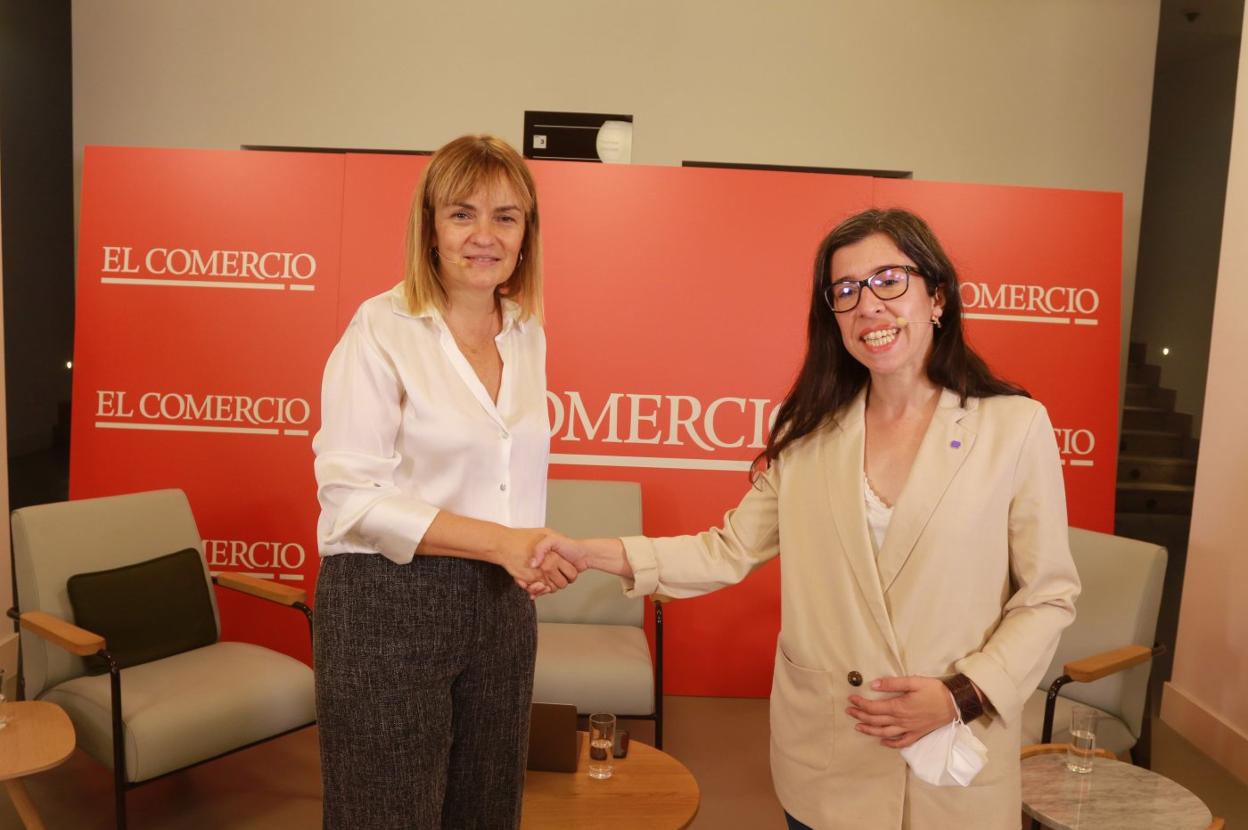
[(591, 647), (1105, 656), (153, 718)]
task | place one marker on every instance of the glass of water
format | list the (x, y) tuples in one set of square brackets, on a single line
[(4, 712), (1082, 739), (601, 739)]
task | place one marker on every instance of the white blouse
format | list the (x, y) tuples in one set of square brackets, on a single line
[(408, 429), (879, 514)]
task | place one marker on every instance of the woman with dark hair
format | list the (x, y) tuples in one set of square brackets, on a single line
[(918, 503)]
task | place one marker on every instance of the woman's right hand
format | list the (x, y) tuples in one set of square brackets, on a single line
[(553, 572), (516, 552)]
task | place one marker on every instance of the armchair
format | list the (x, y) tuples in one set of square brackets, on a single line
[(1104, 658), (152, 718), (591, 645)]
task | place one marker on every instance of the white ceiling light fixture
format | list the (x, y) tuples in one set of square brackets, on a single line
[(615, 142)]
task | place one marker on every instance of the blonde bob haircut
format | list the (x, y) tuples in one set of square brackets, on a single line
[(454, 173)]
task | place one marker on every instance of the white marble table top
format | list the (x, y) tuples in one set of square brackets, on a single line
[(1113, 796)]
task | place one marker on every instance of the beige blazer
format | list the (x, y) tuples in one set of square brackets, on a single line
[(975, 575)]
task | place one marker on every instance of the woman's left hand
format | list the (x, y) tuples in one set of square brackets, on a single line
[(920, 705)]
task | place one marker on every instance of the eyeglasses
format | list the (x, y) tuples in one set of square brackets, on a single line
[(888, 283)]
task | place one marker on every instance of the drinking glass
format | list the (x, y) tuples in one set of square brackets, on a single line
[(1082, 739), (4, 713), (601, 738)]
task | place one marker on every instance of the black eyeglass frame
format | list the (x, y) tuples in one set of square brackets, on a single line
[(909, 270)]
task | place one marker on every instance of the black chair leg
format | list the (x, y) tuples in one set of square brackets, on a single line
[(658, 675), (1050, 706), (119, 741), (119, 799), (307, 613), (1141, 753)]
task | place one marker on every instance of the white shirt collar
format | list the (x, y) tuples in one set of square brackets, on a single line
[(398, 303)]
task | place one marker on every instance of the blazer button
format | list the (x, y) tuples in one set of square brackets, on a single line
[(855, 678)]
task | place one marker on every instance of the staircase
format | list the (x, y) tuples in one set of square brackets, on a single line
[(1156, 481), (1157, 454)]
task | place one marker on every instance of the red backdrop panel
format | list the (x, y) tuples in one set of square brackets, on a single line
[(676, 305), (377, 199), (1041, 273), (207, 288), (703, 303)]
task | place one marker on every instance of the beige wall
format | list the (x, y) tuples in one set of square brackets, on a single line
[(1053, 94), (1207, 697)]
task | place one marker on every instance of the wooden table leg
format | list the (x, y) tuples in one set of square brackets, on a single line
[(25, 807)]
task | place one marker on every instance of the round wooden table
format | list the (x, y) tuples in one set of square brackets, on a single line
[(649, 789), (38, 736), (1113, 796)]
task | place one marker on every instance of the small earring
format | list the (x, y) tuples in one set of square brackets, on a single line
[(935, 320), (521, 258)]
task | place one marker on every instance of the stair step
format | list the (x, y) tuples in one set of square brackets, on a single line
[(1156, 487), (1156, 443), (1161, 470), (1143, 394), (1154, 418), (1168, 530), (1162, 528), (1137, 353), (1146, 373), (1153, 497)]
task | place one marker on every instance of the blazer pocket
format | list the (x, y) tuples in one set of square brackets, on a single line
[(802, 717)]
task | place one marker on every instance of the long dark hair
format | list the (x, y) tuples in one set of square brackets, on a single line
[(830, 377)]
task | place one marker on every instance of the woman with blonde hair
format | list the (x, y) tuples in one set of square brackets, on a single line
[(431, 474)]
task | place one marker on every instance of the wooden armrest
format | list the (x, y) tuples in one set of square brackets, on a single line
[(1046, 749), (57, 631), (1041, 749), (1087, 669), (263, 588)]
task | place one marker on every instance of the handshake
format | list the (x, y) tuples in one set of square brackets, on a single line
[(543, 561)]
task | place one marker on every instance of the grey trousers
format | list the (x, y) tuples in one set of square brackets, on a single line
[(424, 675)]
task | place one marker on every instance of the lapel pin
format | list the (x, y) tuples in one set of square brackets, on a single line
[(955, 444)]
